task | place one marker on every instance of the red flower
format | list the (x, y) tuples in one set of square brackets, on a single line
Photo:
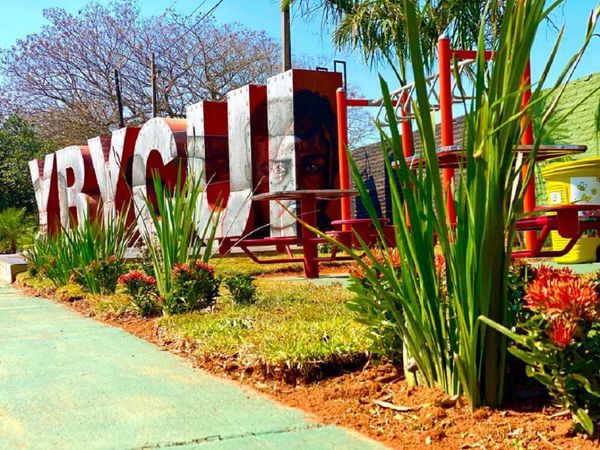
[(181, 268), (561, 331), (200, 265), (357, 272), (546, 273), (440, 264), (137, 275), (560, 292)]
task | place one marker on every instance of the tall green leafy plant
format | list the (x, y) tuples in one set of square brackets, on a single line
[(90, 253), (440, 327), (99, 251), (172, 236)]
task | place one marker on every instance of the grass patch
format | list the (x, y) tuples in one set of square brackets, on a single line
[(114, 305), (241, 264), (34, 281), (294, 328), (101, 305)]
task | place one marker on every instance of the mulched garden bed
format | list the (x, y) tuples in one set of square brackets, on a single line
[(376, 401)]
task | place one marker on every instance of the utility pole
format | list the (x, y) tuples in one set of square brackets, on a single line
[(286, 39), (153, 84), (119, 99)]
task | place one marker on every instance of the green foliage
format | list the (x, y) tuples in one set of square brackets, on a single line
[(142, 290), (16, 230), (379, 27), (112, 305), (18, 145), (172, 237), (292, 326), (520, 274), (371, 310), (571, 374), (52, 258), (99, 276), (194, 286), (91, 254), (559, 340), (242, 288), (70, 293), (435, 312)]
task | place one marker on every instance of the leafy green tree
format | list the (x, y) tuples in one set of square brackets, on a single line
[(19, 144), (16, 230)]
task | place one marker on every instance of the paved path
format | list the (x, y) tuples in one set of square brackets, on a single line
[(67, 382)]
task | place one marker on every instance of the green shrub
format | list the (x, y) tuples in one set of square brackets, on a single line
[(559, 340), (142, 290), (436, 313), (193, 287), (90, 255), (52, 258), (16, 230), (370, 310), (242, 288), (104, 273)]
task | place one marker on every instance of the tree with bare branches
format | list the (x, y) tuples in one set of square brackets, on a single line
[(62, 78)]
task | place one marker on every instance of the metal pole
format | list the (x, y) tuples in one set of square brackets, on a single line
[(447, 125), (342, 122), (286, 39), (119, 99), (407, 135), (153, 84), (527, 139), (407, 143)]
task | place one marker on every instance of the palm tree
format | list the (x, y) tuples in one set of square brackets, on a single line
[(377, 27), (16, 229)]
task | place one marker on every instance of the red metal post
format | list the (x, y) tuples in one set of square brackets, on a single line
[(308, 206), (342, 121), (407, 142), (527, 139), (447, 125)]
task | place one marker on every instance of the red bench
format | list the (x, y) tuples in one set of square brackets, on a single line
[(565, 219)]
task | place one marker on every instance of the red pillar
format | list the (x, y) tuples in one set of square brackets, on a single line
[(447, 125), (342, 122), (527, 139), (407, 142)]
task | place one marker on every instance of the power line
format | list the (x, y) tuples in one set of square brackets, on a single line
[(201, 19)]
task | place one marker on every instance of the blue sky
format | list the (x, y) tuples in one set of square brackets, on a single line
[(20, 18)]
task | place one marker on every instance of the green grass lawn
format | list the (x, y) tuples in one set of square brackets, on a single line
[(241, 264), (294, 326)]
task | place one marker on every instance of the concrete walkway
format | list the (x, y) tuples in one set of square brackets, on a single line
[(67, 382)]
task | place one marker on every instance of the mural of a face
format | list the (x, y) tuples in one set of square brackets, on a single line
[(303, 143), (315, 141)]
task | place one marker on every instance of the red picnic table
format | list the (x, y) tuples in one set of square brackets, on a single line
[(308, 240), (453, 157), (570, 221)]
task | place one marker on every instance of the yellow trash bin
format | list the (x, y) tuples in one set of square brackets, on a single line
[(574, 182)]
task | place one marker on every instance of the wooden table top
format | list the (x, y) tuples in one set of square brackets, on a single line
[(452, 156), (319, 194)]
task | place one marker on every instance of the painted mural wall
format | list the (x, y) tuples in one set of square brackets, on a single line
[(278, 137)]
